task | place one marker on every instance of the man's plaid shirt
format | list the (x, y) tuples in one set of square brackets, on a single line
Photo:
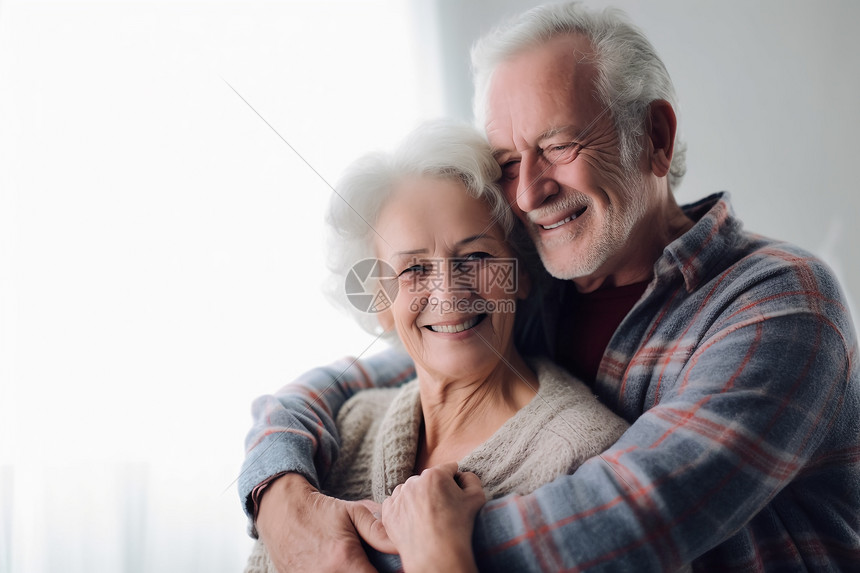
[(738, 372)]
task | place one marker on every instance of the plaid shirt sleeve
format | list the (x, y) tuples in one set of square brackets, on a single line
[(294, 429), (744, 451)]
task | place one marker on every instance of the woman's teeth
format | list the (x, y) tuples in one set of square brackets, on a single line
[(450, 328)]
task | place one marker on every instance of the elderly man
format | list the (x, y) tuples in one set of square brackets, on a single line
[(733, 356)]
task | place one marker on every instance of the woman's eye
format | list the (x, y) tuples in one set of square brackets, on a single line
[(477, 256), (469, 260), (411, 270)]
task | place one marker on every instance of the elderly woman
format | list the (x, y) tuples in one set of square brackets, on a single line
[(450, 282)]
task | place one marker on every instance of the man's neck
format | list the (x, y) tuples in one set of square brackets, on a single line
[(656, 230)]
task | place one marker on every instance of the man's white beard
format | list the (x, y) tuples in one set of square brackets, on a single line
[(615, 232)]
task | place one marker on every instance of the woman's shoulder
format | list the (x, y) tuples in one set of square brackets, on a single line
[(557, 385), (562, 427), (358, 423), (574, 417)]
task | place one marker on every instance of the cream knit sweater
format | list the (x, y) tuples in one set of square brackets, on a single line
[(561, 427)]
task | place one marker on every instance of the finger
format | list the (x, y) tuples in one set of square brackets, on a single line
[(375, 508), (472, 489), (370, 528), (448, 468), (469, 481)]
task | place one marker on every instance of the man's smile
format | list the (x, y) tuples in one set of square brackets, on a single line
[(559, 223)]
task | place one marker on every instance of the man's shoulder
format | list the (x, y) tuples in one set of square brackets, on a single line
[(763, 255), (720, 253), (733, 276), (766, 264)]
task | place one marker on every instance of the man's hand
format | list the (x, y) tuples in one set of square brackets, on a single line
[(304, 530), (430, 519)]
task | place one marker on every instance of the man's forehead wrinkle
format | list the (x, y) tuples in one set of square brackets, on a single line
[(498, 127), (500, 134), (568, 130), (514, 126), (497, 148), (523, 141)]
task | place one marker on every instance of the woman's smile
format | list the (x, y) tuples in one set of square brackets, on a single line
[(456, 326)]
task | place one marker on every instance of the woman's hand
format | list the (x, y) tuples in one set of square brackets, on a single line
[(430, 519)]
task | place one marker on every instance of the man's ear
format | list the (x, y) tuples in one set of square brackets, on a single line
[(662, 125)]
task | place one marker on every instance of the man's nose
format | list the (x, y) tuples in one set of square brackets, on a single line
[(535, 183)]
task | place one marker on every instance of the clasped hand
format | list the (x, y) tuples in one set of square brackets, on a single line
[(428, 520)]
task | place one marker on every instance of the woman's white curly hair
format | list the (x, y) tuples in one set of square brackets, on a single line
[(438, 149)]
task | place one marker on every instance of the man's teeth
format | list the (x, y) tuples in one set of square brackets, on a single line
[(560, 223), (450, 328)]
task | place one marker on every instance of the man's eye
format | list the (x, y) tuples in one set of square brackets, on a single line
[(562, 153), (511, 170)]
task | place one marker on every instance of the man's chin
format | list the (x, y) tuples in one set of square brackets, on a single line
[(561, 263)]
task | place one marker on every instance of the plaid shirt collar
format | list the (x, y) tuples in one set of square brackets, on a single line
[(698, 254)]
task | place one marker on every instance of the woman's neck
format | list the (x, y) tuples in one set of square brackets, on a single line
[(461, 414)]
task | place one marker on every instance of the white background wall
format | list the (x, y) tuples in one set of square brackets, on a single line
[(160, 245), (161, 255)]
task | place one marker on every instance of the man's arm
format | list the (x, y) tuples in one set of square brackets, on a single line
[(294, 429), (762, 401), (304, 530)]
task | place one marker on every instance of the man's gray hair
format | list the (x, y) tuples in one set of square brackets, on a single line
[(630, 74), (437, 149)]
